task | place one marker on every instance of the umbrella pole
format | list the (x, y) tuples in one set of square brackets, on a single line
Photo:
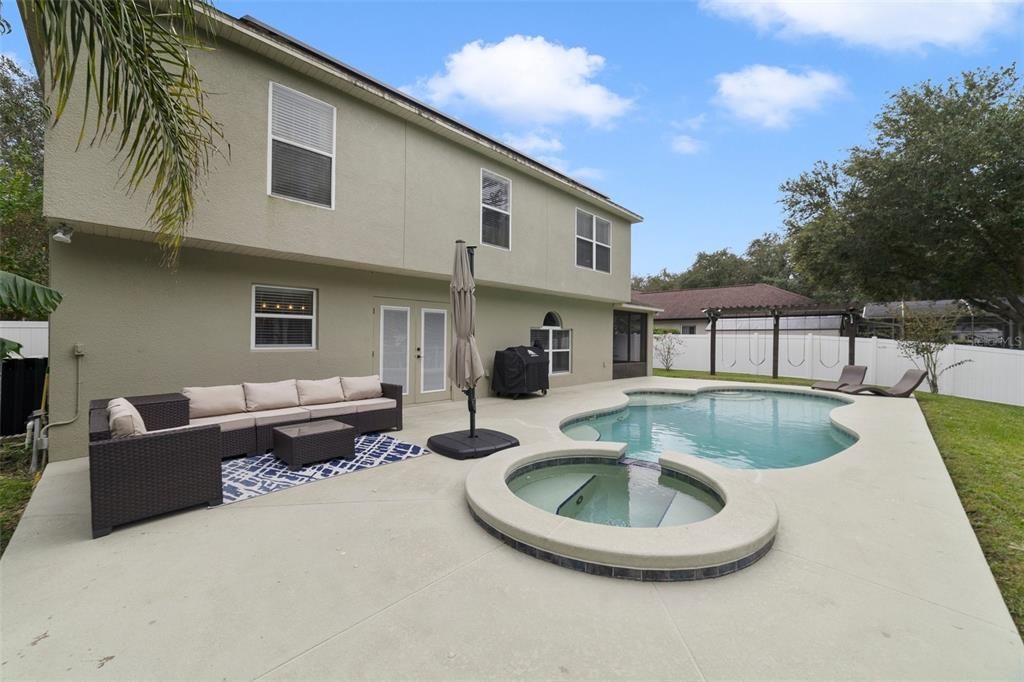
[(471, 392)]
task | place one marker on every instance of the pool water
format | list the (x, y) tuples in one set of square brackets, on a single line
[(615, 495), (738, 429)]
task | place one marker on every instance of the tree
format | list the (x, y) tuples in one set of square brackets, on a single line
[(665, 348), (24, 237), (932, 209), (926, 333), (716, 269), (143, 92)]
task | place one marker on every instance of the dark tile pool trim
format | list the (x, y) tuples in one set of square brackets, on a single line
[(643, 575)]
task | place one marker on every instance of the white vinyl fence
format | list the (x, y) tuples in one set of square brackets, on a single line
[(34, 337), (993, 374)]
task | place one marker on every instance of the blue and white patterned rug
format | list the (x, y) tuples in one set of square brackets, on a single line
[(248, 477)]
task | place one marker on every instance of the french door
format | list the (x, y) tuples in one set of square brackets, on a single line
[(412, 348)]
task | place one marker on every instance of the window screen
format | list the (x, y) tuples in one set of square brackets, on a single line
[(302, 147), (558, 344), (495, 210), (283, 317), (593, 242)]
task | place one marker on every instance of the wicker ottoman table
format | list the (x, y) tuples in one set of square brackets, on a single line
[(300, 444)]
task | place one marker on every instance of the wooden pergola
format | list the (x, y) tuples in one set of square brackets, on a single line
[(850, 317)]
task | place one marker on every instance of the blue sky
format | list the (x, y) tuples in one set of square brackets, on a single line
[(691, 114)]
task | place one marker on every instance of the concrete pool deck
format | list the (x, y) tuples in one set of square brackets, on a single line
[(382, 574)]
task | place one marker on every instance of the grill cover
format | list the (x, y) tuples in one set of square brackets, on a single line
[(520, 369)]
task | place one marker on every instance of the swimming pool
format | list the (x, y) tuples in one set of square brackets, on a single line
[(742, 429)]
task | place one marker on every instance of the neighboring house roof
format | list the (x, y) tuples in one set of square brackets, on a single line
[(274, 44), (685, 304)]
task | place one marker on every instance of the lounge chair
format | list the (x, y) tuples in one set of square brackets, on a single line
[(852, 375), (903, 388)]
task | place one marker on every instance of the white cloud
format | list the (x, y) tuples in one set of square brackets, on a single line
[(526, 79), (684, 144), (885, 24), (771, 96), (533, 142)]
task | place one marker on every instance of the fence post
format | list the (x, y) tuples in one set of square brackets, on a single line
[(775, 344), (714, 329)]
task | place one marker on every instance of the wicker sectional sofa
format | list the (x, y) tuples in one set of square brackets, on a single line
[(175, 463)]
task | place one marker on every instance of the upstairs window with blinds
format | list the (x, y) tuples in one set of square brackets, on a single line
[(495, 210), (283, 317), (593, 242), (301, 147)]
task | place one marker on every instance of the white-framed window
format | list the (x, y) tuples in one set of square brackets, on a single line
[(593, 242), (558, 343), (495, 210), (300, 147), (283, 317), (688, 329)]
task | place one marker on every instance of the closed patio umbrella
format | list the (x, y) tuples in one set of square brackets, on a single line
[(465, 368)]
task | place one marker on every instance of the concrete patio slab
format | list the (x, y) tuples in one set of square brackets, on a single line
[(507, 616), (382, 574)]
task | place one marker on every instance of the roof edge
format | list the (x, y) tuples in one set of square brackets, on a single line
[(283, 41)]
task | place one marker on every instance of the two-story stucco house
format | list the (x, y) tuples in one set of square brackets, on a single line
[(324, 245)]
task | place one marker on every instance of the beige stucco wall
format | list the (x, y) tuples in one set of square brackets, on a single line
[(147, 329), (403, 193)]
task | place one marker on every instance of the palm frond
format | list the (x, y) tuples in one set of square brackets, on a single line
[(24, 297), (141, 90)]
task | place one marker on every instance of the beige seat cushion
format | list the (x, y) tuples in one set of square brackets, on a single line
[(281, 416), (271, 396), (358, 388), (227, 422), (209, 401), (371, 404), (124, 419), (330, 410), (319, 391)]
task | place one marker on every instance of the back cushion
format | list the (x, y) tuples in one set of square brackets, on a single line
[(210, 401), (360, 388), (124, 419), (320, 391), (271, 396)]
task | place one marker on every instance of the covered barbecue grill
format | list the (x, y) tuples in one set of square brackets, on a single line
[(520, 369)]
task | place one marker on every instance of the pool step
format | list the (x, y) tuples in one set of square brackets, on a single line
[(549, 493)]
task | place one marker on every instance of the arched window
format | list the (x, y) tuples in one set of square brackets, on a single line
[(556, 340)]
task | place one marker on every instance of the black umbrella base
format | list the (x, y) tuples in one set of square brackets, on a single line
[(458, 444)]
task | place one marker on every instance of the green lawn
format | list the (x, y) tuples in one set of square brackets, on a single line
[(15, 486), (983, 447)]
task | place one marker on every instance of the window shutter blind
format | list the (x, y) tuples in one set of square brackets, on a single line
[(302, 147), (281, 301), (283, 317), (301, 174), (302, 120), (495, 192)]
